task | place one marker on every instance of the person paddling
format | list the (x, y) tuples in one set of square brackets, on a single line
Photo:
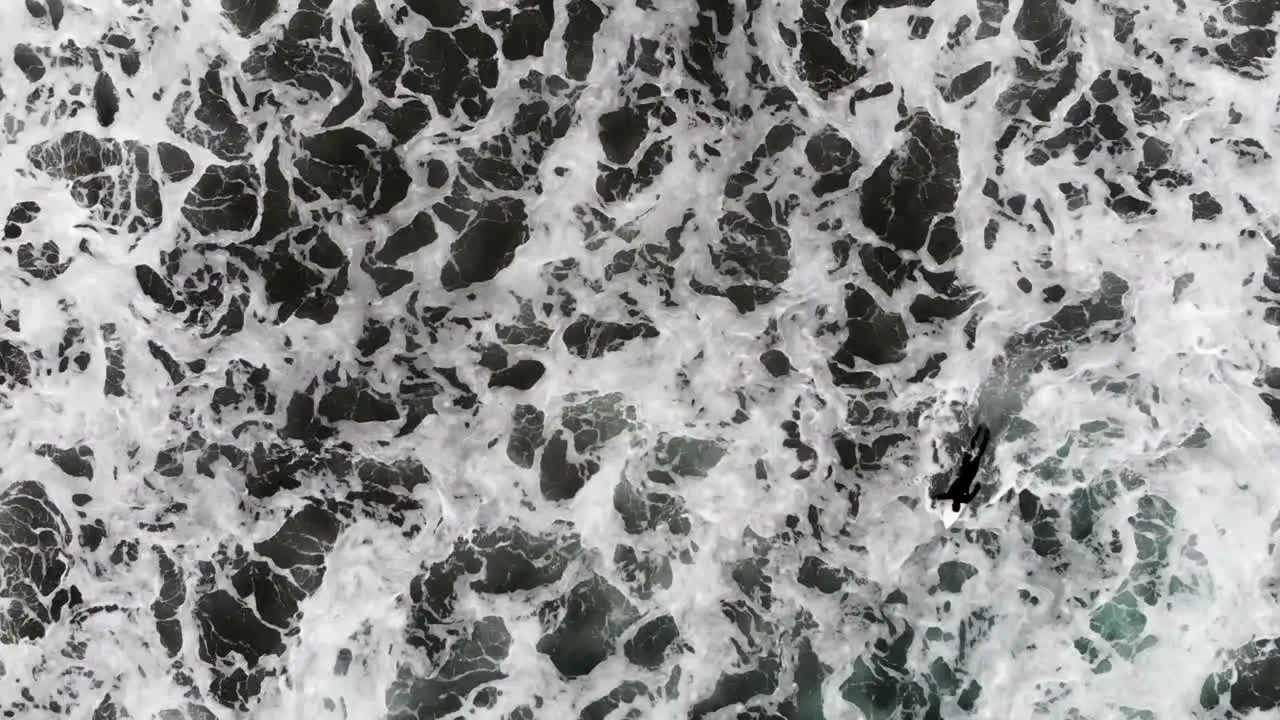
[(960, 491)]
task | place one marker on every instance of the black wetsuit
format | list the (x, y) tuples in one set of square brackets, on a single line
[(960, 491)]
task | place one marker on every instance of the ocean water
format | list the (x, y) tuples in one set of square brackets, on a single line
[(595, 359)]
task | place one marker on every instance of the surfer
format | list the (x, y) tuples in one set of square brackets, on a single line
[(960, 491)]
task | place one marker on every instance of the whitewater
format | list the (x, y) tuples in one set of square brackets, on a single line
[(392, 359)]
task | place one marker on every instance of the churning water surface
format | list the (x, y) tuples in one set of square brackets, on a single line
[(595, 359)]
